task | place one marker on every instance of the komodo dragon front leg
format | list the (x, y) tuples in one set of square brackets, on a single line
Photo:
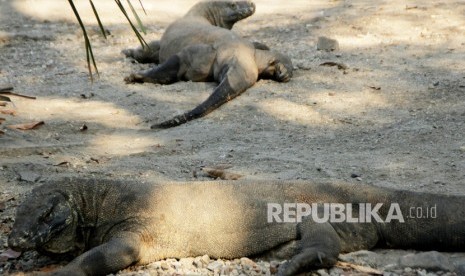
[(318, 247), (118, 253)]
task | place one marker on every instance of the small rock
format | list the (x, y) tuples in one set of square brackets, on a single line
[(274, 267), (327, 44), (164, 266), (431, 260), (214, 266), (198, 262), (335, 271), (247, 261), (322, 272), (186, 262), (205, 259), (225, 270), (355, 175), (29, 176)]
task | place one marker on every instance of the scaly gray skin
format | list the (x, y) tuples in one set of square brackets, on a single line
[(223, 14), (194, 49), (111, 224)]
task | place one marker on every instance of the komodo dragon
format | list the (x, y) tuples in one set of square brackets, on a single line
[(113, 224), (194, 49), (223, 14)]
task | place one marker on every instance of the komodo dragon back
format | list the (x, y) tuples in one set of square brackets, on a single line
[(112, 224), (223, 14)]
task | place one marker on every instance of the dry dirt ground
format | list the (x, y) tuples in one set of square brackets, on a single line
[(393, 117)]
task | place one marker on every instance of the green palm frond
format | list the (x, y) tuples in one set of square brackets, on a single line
[(89, 53)]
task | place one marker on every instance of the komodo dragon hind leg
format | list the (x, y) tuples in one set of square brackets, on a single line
[(148, 54), (166, 73), (319, 248), (193, 63)]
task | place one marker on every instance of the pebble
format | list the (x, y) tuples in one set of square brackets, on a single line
[(205, 259), (327, 44), (29, 176), (214, 266)]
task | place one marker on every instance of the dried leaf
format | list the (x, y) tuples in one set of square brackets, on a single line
[(222, 174), (27, 126), (2, 103), (10, 254), (340, 66), (375, 87), (61, 164), (2, 120), (1, 132), (8, 112), (364, 269)]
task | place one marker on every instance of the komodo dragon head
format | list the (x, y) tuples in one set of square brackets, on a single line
[(273, 65), (223, 13), (44, 222)]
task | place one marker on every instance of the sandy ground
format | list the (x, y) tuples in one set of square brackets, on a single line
[(394, 117)]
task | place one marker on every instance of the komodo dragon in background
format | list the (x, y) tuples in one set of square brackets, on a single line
[(113, 224), (222, 14), (192, 48)]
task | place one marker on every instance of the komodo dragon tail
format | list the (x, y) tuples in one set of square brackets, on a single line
[(223, 93)]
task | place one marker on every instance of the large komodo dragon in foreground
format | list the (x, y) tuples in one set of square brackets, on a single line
[(113, 224), (200, 47)]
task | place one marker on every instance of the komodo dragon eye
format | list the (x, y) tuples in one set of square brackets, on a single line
[(47, 217), (233, 6)]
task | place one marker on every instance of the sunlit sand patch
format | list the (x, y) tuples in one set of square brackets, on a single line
[(57, 109), (286, 110), (350, 103), (121, 143), (108, 10)]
